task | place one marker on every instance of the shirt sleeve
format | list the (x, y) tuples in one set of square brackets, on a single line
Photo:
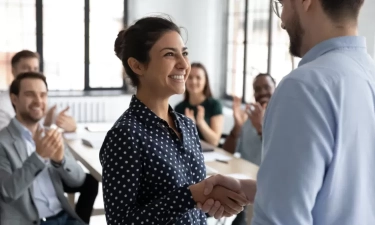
[(297, 149), (121, 158), (217, 108)]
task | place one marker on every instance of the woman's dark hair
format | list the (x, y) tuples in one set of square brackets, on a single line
[(207, 89), (138, 39)]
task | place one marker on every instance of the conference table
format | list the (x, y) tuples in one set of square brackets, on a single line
[(88, 154)]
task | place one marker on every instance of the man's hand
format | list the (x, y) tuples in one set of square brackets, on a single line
[(239, 115), (248, 187), (232, 202), (190, 114), (256, 113), (48, 120), (66, 122), (58, 156), (46, 146)]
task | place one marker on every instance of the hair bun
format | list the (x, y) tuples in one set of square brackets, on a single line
[(119, 44)]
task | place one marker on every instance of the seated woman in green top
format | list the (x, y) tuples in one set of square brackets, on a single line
[(199, 105)]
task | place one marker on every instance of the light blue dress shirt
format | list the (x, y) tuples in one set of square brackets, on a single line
[(249, 144), (318, 162), (45, 197)]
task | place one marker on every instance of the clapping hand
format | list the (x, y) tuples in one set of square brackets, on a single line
[(200, 115), (190, 114), (239, 115), (255, 113), (63, 120), (66, 122), (47, 145)]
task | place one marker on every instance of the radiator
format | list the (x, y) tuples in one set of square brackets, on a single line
[(92, 109)]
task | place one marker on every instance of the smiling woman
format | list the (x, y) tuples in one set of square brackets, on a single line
[(153, 167), (201, 107)]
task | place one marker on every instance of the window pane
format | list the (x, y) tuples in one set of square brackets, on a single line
[(234, 83), (17, 32), (257, 39), (63, 44), (236, 34), (106, 20)]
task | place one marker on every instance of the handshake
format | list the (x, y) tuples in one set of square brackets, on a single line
[(222, 196)]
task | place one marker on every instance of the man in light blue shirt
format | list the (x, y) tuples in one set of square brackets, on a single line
[(318, 157)]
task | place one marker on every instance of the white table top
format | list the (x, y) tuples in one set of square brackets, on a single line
[(89, 156)]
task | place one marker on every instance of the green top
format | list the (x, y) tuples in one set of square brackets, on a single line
[(212, 107)]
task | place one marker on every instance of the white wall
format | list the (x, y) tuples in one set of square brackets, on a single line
[(205, 23), (367, 26)]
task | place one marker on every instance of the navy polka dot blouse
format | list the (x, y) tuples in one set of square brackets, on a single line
[(147, 169)]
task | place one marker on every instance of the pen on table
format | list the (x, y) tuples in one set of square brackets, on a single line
[(222, 161)]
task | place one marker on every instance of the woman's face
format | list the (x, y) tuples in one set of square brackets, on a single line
[(196, 81), (169, 66)]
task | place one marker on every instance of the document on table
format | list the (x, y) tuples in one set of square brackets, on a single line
[(213, 156)]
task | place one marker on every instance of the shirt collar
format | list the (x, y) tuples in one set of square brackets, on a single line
[(345, 42), (26, 133), (143, 113)]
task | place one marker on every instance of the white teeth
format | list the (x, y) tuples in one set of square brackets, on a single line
[(177, 77)]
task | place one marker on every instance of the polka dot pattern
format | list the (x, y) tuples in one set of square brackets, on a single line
[(147, 169)]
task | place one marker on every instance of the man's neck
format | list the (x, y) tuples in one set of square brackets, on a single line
[(325, 32), (31, 126)]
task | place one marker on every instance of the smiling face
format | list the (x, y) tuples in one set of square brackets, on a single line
[(168, 68), (31, 102), (196, 81), (263, 89)]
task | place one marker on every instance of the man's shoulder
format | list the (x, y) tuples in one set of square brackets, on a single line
[(5, 136)]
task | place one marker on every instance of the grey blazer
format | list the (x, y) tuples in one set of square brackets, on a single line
[(17, 173)]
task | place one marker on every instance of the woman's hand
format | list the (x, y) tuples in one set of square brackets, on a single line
[(190, 114), (200, 115), (231, 203)]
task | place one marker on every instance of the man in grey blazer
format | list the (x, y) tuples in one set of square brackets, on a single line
[(34, 162)]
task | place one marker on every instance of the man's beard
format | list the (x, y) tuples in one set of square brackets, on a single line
[(295, 33), (28, 118)]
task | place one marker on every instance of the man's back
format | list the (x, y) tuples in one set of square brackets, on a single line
[(320, 169)]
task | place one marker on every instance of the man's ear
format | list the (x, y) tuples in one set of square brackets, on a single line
[(14, 99), (13, 72), (306, 4), (137, 67)]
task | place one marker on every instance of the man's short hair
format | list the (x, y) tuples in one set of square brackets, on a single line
[(265, 75), (338, 10), (16, 84), (23, 54)]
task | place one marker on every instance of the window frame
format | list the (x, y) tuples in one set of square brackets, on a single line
[(245, 43), (39, 44)]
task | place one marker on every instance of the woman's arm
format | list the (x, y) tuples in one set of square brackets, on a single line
[(121, 159), (212, 133)]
